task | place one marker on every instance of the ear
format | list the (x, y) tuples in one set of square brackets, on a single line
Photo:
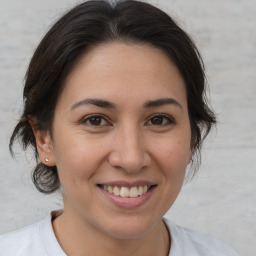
[(191, 157), (44, 145), (191, 153)]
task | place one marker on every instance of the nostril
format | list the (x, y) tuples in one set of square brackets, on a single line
[(129, 161)]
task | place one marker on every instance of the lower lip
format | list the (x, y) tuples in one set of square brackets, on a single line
[(128, 202)]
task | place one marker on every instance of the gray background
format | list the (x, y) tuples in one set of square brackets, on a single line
[(221, 200)]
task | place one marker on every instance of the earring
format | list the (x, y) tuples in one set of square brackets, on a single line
[(46, 160)]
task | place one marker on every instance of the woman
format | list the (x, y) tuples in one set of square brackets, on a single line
[(115, 112)]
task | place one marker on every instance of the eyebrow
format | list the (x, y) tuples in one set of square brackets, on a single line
[(107, 104), (162, 102), (97, 102)]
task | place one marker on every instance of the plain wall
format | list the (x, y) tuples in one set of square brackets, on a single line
[(221, 200)]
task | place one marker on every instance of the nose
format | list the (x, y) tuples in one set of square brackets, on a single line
[(129, 151)]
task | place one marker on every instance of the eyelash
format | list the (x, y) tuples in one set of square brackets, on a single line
[(87, 120), (90, 118), (168, 119)]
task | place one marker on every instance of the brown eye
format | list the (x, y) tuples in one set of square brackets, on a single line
[(159, 120), (95, 121)]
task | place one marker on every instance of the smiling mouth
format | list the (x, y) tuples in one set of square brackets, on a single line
[(127, 192)]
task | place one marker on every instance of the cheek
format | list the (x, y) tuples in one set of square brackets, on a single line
[(173, 156), (77, 157)]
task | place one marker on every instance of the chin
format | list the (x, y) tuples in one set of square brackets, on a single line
[(129, 229)]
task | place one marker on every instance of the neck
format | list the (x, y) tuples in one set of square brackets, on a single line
[(80, 238)]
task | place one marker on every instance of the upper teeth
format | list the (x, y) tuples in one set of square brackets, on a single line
[(125, 191)]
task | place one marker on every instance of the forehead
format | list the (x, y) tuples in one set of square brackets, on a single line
[(124, 71)]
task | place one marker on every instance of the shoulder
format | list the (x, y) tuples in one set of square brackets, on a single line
[(37, 239), (21, 242), (188, 242)]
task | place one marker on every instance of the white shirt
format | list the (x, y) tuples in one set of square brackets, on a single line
[(39, 240)]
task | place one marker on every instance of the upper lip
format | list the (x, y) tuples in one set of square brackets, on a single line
[(120, 183)]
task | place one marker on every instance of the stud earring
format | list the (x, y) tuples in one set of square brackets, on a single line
[(46, 160)]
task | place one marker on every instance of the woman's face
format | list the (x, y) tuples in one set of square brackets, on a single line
[(121, 138)]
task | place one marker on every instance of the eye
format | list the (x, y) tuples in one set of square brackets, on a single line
[(160, 120), (95, 120)]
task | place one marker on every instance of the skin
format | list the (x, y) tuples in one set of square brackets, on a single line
[(130, 142)]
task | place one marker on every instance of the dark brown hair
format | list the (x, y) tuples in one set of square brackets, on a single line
[(97, 22)]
